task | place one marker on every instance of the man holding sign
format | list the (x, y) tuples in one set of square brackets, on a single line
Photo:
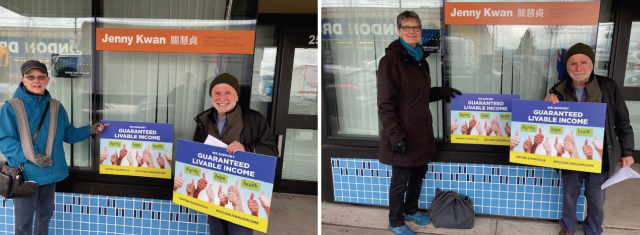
[(585, 86), (242, 129)]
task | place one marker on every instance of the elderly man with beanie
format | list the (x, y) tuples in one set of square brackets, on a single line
[(243, 129), (32, 129), (617, 146)]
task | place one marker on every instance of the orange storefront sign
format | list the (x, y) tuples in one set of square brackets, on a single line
[(176, 40), (521, 13)]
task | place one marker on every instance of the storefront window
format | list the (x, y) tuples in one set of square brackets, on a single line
[(161, 87), (63, 41)]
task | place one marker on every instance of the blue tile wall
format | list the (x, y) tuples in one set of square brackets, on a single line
[(101, 215), (520, 191)]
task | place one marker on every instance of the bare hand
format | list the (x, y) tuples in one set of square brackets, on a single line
[(211, 194), (598, 145), (146, 156), (553, 98), (515, 141), (168, 156), (223, 197), (507, 129), (266, 203), (472, 124), (547, 146), (114, 158), (234, 147), (626, 161), (123, 153), (479, 129), (132, 161), (570, 145), (191, 188), (587, 150), (139, 159), (160, 161), (487, 128), (454, 125), (234, 197), (464, 128), (253, 206), (559, 148), (104, 155), (177, 183), (527, 145), (495, 126)]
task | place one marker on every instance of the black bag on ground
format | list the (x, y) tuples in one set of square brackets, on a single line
[(451, 210), (14, 184)]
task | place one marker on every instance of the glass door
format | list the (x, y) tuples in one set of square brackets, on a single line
[(626, 69), (296, 114)]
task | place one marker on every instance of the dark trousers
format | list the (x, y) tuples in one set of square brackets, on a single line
[(40, 203), (404, 180), (571, 185), (223, 227)]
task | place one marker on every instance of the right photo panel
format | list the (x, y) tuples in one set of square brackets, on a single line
[(479, 117)]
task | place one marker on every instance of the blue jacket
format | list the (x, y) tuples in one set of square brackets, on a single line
[(10, 137)]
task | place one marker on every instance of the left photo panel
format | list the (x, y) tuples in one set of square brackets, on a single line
[(159, 117)]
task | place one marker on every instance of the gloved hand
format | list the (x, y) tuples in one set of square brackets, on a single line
[(42, 161), (450, 93), (398, 147)]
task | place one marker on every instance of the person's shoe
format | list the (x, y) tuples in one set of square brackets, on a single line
[(562, 232), (418, 218), (402, 230)]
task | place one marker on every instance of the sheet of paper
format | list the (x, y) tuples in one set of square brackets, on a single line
[(213, 141), (622, 174)]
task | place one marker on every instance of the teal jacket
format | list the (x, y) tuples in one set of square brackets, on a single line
[(10, 138)]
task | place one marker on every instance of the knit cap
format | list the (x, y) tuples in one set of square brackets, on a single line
[(580, 48), (227, 79)]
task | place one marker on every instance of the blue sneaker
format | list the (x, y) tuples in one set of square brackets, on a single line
[(418, 218), (402, 230)]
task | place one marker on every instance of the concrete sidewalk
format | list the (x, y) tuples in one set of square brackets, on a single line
[(292, 214), (622, 216)]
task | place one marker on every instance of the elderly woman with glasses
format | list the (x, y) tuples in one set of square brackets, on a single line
[(406, 140), (35, 143)]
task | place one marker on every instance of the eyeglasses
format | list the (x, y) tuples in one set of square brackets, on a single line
[(408, 28), (31, 77)]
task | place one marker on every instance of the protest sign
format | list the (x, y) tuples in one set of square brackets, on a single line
[(481, 118), (233, 187), (136, 149), (567, 135)]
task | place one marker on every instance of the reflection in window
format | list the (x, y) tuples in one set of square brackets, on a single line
[(634, 116), (62, 41), (303, 98), (632, 71)]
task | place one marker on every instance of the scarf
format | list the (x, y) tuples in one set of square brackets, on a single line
[(234, 125), (415, 52)]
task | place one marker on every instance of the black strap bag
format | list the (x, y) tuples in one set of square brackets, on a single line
[(451, 210), (13, 182)]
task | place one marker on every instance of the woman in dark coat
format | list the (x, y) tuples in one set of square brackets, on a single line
[(406, 141)]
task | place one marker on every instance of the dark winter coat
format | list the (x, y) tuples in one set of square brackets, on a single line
[(404, 93), (256, 135), (618, 134)]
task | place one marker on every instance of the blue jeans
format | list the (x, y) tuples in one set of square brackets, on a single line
[(41, 203), (223, 227), (571, 185)]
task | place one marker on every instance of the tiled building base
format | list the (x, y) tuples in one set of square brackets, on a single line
[(81, 214), (494, 189)]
